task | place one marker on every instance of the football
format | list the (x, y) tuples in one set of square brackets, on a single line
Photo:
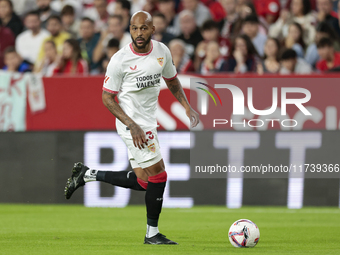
[(244, 233)]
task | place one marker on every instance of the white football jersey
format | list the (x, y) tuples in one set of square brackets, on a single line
[(136, 78)]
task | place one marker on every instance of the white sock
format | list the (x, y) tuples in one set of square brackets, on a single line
[(90, 175), (151, 231)]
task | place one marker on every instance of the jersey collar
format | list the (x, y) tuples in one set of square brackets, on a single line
[(141, 54)]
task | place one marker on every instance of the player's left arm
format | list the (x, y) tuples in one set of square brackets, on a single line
[(176, 89)]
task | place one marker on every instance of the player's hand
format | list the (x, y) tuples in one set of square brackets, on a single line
[(138, 136), (193, 116)]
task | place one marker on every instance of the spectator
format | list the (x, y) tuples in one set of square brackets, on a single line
[(329, 58), (286, 4), (243, 56), (9, 19), (123, 8), (251, 28), (7, 39), (58, 5), (294, 39), (71, 61), (150, 6), (115, 30), (111, 49), (201, 12), (47, 66), (291, 64), (268, 9), (300, 13), (167, 8), (325, 13), (213, 61), (245, 10), (160, 34), (69, 21), (216, 9), (228, 24), (270, 63), (21, 7), (88, 41), (240, 4), (210, 32), (58, 36), (99, 14), (190, 33), (29, 42), (14, 63), (323, 29), (181, 59), (45, 11)]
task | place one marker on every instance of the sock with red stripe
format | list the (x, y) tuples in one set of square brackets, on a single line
[(125, 179), (154, 201)]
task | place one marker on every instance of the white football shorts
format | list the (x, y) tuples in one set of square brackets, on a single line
[(145, 157)]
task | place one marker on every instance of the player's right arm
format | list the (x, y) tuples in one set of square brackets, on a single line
[(112, 83)]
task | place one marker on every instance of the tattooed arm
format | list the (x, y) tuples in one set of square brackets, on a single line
[(176, 89), (136, 131)]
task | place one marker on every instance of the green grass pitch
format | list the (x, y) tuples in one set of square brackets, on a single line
[(65, 229)]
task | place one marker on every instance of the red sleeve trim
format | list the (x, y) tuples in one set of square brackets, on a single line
[(169, 79), (110, 91)]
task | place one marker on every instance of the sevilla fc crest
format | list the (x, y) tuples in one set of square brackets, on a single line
[(160, 61), (152, 147)]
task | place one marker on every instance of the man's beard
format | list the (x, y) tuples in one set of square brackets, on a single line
[(147, 41), (44, 9)]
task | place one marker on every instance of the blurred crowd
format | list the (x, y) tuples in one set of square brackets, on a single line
[(54, 37)]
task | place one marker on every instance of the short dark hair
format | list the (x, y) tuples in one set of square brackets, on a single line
[(324, 42), (251, 18), (10, 49), (87, 19), (125, 4), (159, 15), (33, 13), (324, 27), (56, 17), (113, 43), (209, 25), (67, 10), (288, 54), (116, 16)]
